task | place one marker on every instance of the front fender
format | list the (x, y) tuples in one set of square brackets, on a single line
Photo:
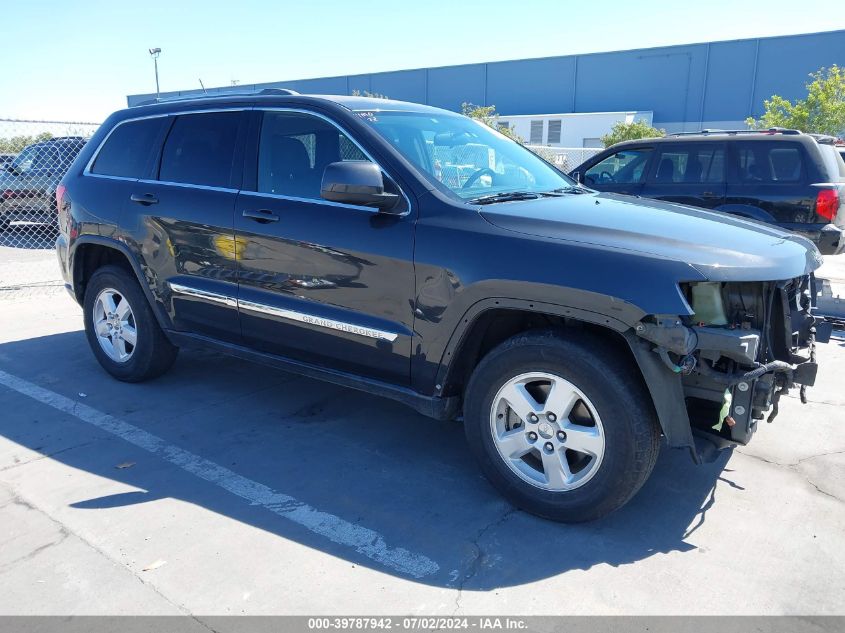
[(667, 394)]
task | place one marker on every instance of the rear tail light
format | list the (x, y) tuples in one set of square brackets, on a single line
[(60, 193), (827, 203)]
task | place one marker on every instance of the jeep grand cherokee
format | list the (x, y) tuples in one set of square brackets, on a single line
[(414, 253)]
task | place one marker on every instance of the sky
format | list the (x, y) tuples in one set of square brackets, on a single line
[(78, 59)]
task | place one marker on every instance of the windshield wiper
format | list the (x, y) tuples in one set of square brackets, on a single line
[(505, 196), (571, 189)]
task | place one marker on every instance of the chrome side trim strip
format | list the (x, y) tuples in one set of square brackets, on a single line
[(124, 178), (321, 201), (291, 315), (342, 130), (204, 294), (188, 185), (310, 319), (160, 115), (87, 171)]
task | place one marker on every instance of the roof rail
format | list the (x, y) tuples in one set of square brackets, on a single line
[(220, 95), (825, 139), (771, 130)]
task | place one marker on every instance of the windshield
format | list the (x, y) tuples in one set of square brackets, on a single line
[(37, 157), (464, 157)]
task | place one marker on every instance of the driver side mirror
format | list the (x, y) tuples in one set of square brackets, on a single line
[(357, 182), (576, 176)]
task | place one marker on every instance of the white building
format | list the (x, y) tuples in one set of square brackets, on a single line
[(569, 130)]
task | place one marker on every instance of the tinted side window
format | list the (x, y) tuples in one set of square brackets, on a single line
[(293, 152), (127, 149), (690, 164), (200, 148), (769, 163), (625, 167)]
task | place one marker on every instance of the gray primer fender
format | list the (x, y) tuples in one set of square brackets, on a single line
[(667, 393), (664, 386), (584, 306)]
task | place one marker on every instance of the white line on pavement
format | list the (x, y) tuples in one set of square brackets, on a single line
[(363, 540)]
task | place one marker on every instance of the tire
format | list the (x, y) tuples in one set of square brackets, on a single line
[(151, 354), (610, 439)]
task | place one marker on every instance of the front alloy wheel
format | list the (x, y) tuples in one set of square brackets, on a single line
[(547, 431), (561, 423)]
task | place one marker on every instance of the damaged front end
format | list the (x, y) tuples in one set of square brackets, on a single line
[(745, 345)]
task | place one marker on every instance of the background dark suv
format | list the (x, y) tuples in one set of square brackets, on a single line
[(28, 182), (783, 177)]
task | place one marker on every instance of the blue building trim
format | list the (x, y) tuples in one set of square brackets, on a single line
[(687, 84)]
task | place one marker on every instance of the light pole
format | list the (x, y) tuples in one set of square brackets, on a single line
[(155, 52)]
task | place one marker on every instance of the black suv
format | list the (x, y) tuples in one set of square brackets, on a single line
[(28, 182), (414, 253), (783, 177)]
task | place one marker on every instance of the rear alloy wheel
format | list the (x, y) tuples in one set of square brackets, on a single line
[(561, 424), (121, 328), (114, 323)]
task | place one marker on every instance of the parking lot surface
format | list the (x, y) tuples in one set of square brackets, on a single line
[(231, 488)]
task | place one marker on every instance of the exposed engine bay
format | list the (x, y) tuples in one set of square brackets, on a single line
[(745, 345)]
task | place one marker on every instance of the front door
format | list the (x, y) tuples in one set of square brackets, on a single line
[(324, 283), (621, 172)]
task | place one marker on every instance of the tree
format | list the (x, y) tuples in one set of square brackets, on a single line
[(822, 112), (630, 131), (490, 118), (367, 93), (14, 144)]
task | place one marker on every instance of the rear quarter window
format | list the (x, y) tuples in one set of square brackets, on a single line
[(834, 163), (769, 163), (128, 149)]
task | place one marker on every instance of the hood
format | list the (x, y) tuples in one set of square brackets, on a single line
[(721, 247)]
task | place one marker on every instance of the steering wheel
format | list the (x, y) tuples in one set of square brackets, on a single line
[(476, 175), (606, 176)]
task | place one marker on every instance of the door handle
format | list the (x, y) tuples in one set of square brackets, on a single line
[(144, 198), (261, 215), (710, 194)]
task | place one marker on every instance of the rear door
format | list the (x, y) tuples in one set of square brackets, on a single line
[(621, 172), (688, 173), (322, 282), (771, 176), (126, 155), (183, 215)]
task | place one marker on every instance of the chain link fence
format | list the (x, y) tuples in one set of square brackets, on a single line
[(565, 158), (34, 156)]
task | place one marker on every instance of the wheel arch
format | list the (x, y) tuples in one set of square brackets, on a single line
[(491, 322), (91, 252)]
